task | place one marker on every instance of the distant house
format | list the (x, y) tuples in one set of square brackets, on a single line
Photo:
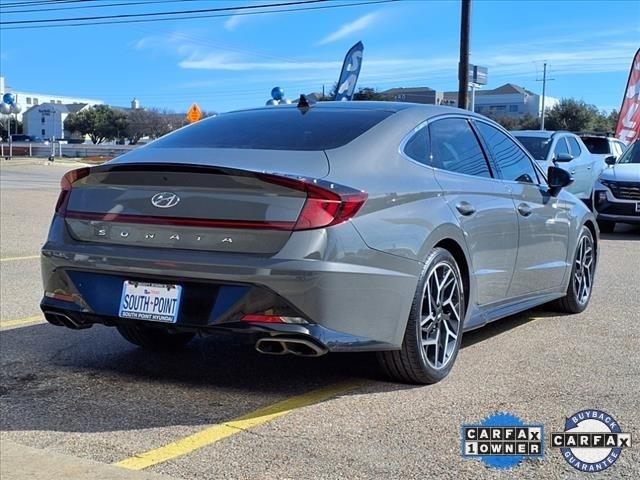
[(509, 100), (47, 119), (414, 95)]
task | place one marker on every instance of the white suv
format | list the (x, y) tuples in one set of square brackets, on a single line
[(567, 151)]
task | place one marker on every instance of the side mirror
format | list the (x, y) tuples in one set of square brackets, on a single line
[(558, 179), (610, 160), (563, 157)]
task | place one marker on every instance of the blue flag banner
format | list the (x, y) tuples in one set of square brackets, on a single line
[(349, 75)]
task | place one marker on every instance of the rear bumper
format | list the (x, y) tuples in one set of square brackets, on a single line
[(353, 297)]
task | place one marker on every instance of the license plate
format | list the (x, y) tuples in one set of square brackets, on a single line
[(150, 301)]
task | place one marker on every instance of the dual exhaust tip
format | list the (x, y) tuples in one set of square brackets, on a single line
[(294, 346)]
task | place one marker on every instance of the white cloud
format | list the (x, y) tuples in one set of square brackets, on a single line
[(349, 28), (232, 22)]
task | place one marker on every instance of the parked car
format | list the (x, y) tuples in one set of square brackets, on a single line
[(341, 226), (567, 150), (18, 137), (616, 196), (603, 146)]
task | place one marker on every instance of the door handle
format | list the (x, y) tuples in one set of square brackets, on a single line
[(589, 167), (572, 171), (524, 210), (465, 208)]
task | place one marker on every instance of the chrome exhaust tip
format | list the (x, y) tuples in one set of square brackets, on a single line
[(63, 320), (294, 346)]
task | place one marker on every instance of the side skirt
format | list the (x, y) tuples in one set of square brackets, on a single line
[(491, 313)]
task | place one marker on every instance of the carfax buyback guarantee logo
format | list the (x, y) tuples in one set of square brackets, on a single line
[(592, 440), (502, 440)]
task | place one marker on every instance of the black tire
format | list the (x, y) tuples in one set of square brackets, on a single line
[(606, 226), (154, 338), (572, 302), (410, 364)]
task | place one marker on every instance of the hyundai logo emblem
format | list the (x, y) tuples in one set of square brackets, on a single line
[(165, 200)]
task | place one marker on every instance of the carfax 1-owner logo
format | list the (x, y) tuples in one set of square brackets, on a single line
[(502, 440), (592, 440)]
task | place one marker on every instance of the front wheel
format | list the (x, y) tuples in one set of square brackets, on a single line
[(582, 273), (152, 338), (434, 329)]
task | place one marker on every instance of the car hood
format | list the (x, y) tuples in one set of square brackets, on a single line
[(625, 172)]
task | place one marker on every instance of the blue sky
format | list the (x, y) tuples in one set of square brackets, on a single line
[(233, 62)]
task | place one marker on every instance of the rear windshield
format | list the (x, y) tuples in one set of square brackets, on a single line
[(538, 147), (597, 144), (277, 128)]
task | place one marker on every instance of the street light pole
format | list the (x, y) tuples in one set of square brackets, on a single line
[(463, 66)]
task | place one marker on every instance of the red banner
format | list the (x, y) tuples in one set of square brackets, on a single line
[(628, 128)]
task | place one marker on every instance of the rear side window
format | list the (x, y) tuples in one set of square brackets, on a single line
[(599, 145), (575, 146), (454, 147), (277, 128), (561, 147), (417, 147), (513, 163)]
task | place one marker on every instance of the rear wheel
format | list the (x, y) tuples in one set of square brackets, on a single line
[(582, 273), (154, 338), (434, 330), (606, 226)]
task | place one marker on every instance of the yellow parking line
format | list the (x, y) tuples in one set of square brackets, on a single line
[(15, 259), (217, 432), (21, 322)]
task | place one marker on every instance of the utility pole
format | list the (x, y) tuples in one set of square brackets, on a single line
[(544, 81), (463, 66)]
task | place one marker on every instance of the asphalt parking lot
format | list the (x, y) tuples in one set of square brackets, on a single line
[(90, 396)]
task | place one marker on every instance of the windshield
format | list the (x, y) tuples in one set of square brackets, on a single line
[(631, 154), (538, 147), (597, 145)]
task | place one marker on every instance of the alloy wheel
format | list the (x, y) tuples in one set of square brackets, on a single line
[(441, 315), (584, 269)]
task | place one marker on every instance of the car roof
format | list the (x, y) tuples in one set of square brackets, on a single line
[(395, 107)]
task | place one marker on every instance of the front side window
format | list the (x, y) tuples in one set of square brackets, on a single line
[(513, 163), (454, 147), (561, 147), (575, 147), (538, 147), (417, 147)]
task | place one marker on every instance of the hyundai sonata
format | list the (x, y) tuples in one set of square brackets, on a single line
[(354, 226)]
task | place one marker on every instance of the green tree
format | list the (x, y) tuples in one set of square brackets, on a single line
[(368, 93), (100, 122), (575, 115)]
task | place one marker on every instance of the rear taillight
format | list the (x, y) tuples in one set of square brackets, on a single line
[(65, 187), (327, 203)]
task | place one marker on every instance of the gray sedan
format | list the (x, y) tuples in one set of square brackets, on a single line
[(353, 226)]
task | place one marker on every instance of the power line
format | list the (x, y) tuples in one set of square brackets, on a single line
[(155, 14), (195, 17), (101, 5), (41, 2)]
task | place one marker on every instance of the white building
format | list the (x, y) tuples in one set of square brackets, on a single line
[(47, 120), (30, 99), (509, 100)]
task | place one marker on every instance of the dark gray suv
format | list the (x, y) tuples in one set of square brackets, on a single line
[(349, 226)]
